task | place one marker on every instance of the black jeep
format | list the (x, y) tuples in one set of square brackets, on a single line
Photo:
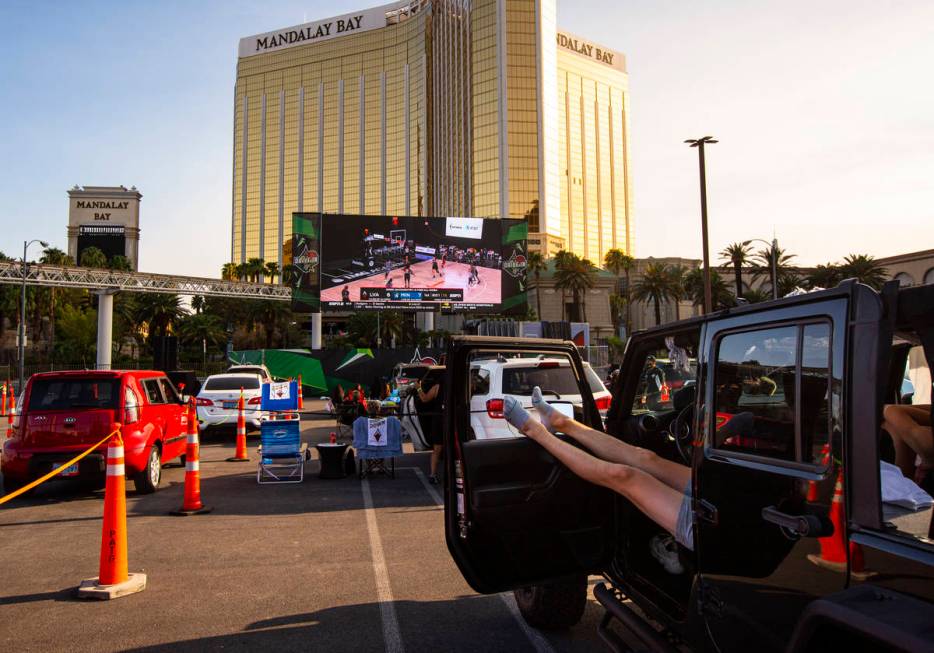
[(778, 405)]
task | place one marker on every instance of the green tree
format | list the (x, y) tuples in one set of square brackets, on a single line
[(676, 275), (720, 294), (271, 270), (863, 268), (654, 286), (361, 329), (620, 263), (390, 326), (120, 263), (159, 312), (256, 267), (763, 264), (242, 271), (93, 257), (229, 271), (78, 329), (200, 327), (824, 276), (197, 303), (577, 275), (736, 255), (536, 265), (54, 256), (290, 274), (757, 295)]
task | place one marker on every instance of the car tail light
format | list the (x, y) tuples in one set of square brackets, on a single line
[(494, 408), (255, 401), (551, 365), (201, 401), (130, 406), (603, 403)]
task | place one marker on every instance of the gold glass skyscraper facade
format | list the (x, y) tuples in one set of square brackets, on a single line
[(432, 107)]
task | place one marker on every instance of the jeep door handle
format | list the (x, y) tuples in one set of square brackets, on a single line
[(800, 525)]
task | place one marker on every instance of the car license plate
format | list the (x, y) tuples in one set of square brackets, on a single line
[(71, 470), (230, 404)]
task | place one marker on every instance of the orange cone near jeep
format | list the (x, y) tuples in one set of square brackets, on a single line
[(240, 455), (191, 504), (301, 400), (113, 580), (833, 548)]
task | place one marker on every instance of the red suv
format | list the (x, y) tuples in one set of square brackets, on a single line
[(63, 413)]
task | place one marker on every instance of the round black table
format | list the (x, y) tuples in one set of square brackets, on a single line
[(332, 459)]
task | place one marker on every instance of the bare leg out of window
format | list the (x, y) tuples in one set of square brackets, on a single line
[(910, 428)]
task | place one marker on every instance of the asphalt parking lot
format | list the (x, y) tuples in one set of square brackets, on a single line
[(328, 565)]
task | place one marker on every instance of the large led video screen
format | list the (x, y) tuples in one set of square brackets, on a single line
[(416, 263)]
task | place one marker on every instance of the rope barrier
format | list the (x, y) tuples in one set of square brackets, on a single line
[(54, 472)]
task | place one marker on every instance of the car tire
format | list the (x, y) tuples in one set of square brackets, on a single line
[(147, 480), (553, 606)]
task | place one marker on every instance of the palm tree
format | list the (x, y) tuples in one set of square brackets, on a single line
[(561, 259), (160, 312), (654, 286), (229, 271), (120, 263), (255, 269), (201, 327), (93, 257), (756, 295), (617, 261), (763, 267), (272, 271), (53, 256), (197, 303), (720, 294), (536, 264), (577, 275), (242, 271), (736, 255), (824, 276), (390, 326), (864, 269)]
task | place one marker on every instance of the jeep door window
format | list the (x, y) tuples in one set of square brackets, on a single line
[(663, 375), (771, 393), (65, 394)]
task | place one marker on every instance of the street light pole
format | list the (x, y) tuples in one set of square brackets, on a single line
[(21, 335), (699, 144)]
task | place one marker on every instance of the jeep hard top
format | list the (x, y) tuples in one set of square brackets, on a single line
[(778, 415)]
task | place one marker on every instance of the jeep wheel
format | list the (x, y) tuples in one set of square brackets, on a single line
[(553, 606), (147, 481)]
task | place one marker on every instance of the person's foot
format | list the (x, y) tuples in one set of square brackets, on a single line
[(664, 549), (514, 413), (551, 418)]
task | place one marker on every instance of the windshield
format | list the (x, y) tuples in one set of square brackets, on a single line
[(521, 380), (232, 383), (63, 394)]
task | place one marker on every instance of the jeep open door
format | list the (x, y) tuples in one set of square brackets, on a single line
[(514, 516)]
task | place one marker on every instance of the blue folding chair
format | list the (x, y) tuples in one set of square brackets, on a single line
[(282, 458)]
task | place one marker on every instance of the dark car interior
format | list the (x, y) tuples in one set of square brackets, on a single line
[(664, 427)]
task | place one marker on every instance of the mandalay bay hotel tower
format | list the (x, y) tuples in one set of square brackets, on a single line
[(478, 108)]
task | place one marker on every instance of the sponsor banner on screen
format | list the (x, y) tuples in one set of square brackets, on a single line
[(416, 263)]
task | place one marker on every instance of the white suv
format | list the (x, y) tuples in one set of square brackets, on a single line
[(494, 379)]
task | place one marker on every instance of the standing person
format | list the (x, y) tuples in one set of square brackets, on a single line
[(474, 277), (434, 268), (345, 294), (407, 276), (653, 378), (444, 258), (388, 268), (430, 404)]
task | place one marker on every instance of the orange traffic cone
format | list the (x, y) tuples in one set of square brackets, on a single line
[(3, 391), (833, 548), (301, 400), (240, 456), (191, 504), (113, 581), (10, 416), (666, 393)]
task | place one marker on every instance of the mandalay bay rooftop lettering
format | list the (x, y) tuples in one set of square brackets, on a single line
[(586, 49), (310, 33)]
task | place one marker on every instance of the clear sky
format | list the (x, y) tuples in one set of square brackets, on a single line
[(824, 112)]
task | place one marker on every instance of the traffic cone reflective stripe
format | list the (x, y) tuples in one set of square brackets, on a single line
[(191, 504), (113, 562), (240, 455), (301, 400)]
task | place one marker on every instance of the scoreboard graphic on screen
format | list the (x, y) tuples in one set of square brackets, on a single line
[(414, 263)]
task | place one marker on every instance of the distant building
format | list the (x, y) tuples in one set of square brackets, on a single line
[(106, 217), (433, 107), (910, 269)]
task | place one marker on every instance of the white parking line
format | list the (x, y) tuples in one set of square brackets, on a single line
[(538, 642), (387, 609)]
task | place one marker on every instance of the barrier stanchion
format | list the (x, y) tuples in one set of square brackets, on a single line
[(113, 580), (191, 504), (301, 399), (240, 456)]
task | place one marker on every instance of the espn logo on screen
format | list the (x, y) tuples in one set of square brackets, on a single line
[(464, 228)]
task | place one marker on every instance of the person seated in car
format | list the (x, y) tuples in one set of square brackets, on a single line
[(910, 428), (660, 488)]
